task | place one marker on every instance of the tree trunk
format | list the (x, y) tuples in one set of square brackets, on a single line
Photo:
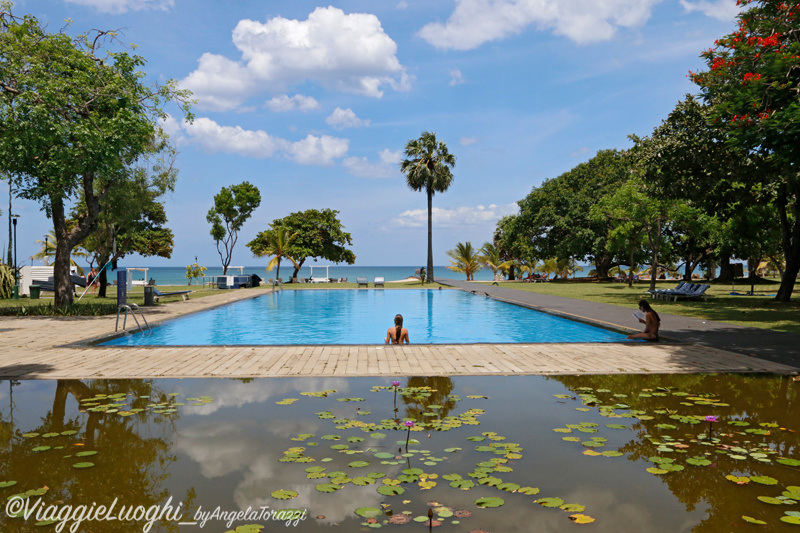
[(62, 282), (630, 273), (725, 269), (790, 237), (654, 263), (511, 273), (602, 264), (430, 235)]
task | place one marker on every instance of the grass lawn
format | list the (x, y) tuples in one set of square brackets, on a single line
[(92, 305), (107, 305), (760, 311)]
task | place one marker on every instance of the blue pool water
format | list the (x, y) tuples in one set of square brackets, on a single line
[(362, 317)]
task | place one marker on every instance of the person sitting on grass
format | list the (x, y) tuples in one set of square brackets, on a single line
[(397, 334), (651, 321)]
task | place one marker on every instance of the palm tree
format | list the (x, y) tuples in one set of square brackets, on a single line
[(491, 258), (277, 242), (547, 267), (465, 259), (427, 167)]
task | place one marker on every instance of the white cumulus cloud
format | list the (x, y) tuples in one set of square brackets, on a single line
[(344, 52), (385, 167), (259, 144), (458, 216), (475, 22), (345, 118), (117, 7), (299, 102), (724, 10), (456, 78)]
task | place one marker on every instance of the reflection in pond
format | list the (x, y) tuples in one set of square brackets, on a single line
[(702, 453)]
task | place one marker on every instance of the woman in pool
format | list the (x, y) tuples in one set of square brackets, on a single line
[(397, 334), (652, 322)]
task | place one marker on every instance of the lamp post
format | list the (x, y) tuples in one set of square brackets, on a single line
[(16, 272)]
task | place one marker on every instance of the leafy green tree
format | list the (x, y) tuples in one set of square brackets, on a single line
[(133, 218), (232, 207), (689, 159), (70, 115), (427, 167), (194, 271), (319, 234), (514, 245), (751, 82), (637, 212), (276, 242), (555, 220), (465, 259)]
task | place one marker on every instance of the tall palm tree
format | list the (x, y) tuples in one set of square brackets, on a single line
[(427, 167), (277, 242), (490, 255), (547, 267), (465, 259)]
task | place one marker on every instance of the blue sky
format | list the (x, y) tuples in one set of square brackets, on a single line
[(313, 103)]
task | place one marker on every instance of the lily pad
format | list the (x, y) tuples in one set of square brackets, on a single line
[(4, 484), (83, 465), (752, 520), (284, 494), (764, 480), (581, 519), (489, 502), (770, 500), (368, 512), (328, 487), (550, 502), (389, 490)]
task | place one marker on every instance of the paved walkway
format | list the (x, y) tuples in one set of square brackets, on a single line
[(772, 346), (57, 348)]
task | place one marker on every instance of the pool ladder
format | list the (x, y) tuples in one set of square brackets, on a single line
[(131, 308)]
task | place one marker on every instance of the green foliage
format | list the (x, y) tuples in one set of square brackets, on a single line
[(78, 309), (72, 120), (465, 259), (194, 271), (491, 256), (277, 242), (752, 83), (232, 207), (316, 233), (555, 220), (427, 167), (6, 281)]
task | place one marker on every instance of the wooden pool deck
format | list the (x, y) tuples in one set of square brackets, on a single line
[(57, 348)]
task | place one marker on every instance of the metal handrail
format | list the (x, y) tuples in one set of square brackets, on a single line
[(131, 308)]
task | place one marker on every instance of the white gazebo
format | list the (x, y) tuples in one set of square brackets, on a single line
[(318, 279), (138, 282)]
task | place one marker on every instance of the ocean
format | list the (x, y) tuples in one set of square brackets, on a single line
[(177, 275)]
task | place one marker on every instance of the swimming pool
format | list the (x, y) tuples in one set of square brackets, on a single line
[(336, 317)]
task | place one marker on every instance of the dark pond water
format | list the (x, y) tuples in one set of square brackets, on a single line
[(631, 453)]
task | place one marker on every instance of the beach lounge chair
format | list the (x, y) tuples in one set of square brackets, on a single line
[(362, 281), (159, 294), (687, 290), (700, 292), (379, 281), (657, 292)]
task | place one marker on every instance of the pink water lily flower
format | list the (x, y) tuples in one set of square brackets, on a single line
[(395, 383), (712, 419), (409, 423)]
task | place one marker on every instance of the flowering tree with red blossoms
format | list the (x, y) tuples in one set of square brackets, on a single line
[(753, 84)]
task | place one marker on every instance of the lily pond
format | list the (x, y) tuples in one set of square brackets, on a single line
[(656, 453)]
